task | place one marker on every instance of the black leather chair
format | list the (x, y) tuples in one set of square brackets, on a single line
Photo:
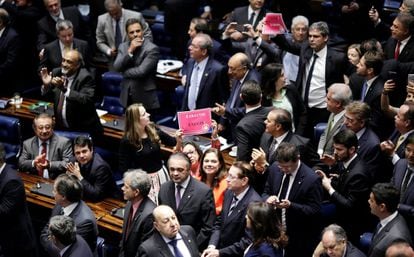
[(10, 136), (111, 88)]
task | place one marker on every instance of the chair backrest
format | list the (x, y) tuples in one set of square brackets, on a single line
[(179, 96), (318, 130), (113, 105), (10, 136), (111, 83), (71, 134)]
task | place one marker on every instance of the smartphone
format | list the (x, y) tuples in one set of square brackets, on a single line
[(392, 75), (240, 27)]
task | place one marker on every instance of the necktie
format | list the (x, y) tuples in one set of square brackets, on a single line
[(397, 50), (399, 142), (377, 229), (364, 91), (178, 195), (192, 95), (66, 49), (404, 184), (308, 80), (118, 35), (251, 20), (285, 186), (43, 151), (272, 151), (236, 94), (233, 204), (59, 114), (130, 219), (330, 123), (177, 252)]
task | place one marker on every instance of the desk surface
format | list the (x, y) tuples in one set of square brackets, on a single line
[(101, 209)]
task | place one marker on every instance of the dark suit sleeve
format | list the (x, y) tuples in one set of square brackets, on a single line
[(96, 191), (11, 61), (357, 187), (209, 215), (243, 147), (143, 69), (44, 238), (86, 94), (287, 45), (271, 51), (313, 202), (12, 199), (85, 229)]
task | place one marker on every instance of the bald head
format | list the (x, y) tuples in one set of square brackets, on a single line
[(399, 249), (239, 65), (71, 62), (165, 221)]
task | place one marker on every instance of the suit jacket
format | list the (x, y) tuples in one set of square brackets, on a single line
[(407, 53), (326, 139), (396, 229), (302, 217), (138, 73), (80, 104), (141, 229), (370, 151), (406, 206), (78, 248), (10, 47), (105, 34), (213, 86), (60, 152), (155, 246), (52, 57), (97, 181), (351, 251), (17, 237), (352, 189), (241, 16), (229, 230), (47, 26), (85, 223), (248, 132), (264, 249), (196, 207)]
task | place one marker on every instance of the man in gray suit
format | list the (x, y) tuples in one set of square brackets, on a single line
[(338, 96), (45, 154), (137, 61), (67, 191), (110, 31), (169, 238), (383, 202)]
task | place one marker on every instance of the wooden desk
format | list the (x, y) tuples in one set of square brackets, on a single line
[(110, 227)]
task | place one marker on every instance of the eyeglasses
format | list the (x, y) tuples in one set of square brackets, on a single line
[(236, 68), (231, 177)]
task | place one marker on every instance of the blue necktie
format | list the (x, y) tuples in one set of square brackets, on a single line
[(118, 35), (177, 252), (236, 94), (192, 94), (363, 91)]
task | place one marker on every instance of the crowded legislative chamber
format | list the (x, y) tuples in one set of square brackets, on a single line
[(206, 128)]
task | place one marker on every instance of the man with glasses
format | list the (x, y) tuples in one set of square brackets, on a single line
[(46, 154), (190, 199), (296, 191), (229, 238)]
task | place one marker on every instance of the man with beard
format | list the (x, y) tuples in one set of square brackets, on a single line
[(74, 94), (348, 185)]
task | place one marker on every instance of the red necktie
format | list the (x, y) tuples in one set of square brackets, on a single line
[(59, 114), (397, 50), (44, 151)]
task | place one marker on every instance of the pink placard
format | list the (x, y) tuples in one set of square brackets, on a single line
[(274, 24), (195, 122)]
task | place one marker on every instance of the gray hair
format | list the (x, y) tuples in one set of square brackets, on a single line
[(206, 42), (63, 25), (63, 229), (140, 180), (410, 5), (320, 26), (342, 93), (299, 19), (338, 231)]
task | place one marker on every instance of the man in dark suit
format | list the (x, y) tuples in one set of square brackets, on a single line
[(73, 89), (347, 185), (319, 67), (335, 243), (251, 127), (239, 71), (357, 116), (296, 191), (47, 24), (169, 239), (138, 219), (383, 201), (206, 81), (68, 194), (62, 232), (137, 61), (17, 238), (338, 97), (402, 180), (229, 237), (53, 53), (191, 199), (92, 171), (279, 130), (46, 154), (370, 89), (400, 46), (10, 45)]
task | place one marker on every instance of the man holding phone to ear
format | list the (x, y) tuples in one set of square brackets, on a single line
[(137, 61)]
